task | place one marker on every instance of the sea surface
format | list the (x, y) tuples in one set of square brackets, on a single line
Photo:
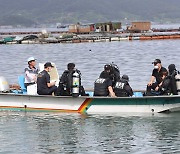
[(50, 133), (133, 58), (33, 132)]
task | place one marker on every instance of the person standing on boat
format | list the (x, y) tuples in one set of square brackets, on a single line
[(66, 82), (157, 77), (122, 87), (44, 86), (31, 72), (103, 85)]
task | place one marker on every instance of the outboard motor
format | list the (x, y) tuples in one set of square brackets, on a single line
[(75, 84), (177, 77), (4, 85)]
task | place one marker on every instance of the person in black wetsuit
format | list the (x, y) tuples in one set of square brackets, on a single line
[(169, 85), (122, 87), (65, 84), (103, 85)]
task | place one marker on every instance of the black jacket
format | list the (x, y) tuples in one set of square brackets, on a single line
[(122, 88)]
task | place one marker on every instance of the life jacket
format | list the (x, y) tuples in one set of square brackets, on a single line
[(100, 87), (119, 88)]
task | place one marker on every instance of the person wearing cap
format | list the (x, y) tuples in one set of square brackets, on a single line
[(44, 86), (31, 72), (103, 85), (66, 81), (122, 87), (157, 77)]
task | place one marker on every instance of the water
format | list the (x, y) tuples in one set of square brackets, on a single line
[(33, 132), (22, 132), (134, 58)]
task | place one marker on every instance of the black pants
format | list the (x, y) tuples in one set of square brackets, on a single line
[(149, 88), (48, 91)]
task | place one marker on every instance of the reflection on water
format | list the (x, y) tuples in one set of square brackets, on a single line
[(133, 58), (73, 133)]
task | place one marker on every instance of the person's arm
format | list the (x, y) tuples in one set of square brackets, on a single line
[(151, 81), (30, 76), (111, 92), (51, 84), (129, 90)]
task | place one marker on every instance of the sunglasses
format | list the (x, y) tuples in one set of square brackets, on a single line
[(155, 64)]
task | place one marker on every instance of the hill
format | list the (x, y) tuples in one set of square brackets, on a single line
[(31, 12)]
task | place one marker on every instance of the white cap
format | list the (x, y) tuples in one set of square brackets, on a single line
[(31, 59)]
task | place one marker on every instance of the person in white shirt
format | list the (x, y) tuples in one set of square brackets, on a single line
[(31, 72)]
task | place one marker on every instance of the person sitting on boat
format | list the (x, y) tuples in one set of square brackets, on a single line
[(114, 73), (169, 84), (122, 87), (44, 86), (156, 78), (103, 85), (31, 72), (66, 82)]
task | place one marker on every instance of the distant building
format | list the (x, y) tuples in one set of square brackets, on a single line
[(107, 27), (78, 28), (139, 27), (97, 27)]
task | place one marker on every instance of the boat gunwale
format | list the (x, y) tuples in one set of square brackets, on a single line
[(93, 97)]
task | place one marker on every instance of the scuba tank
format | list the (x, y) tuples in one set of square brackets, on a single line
[(177, 77), (4, 85), (115, 73), (75, 84)]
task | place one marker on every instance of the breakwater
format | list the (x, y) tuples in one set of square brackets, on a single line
[(60, 37)]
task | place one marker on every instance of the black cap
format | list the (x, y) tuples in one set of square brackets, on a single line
[(48, 64), (156, 61), (125, 77), (107, 67)]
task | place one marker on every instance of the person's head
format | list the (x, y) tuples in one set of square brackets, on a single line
[(125, 77), (48, 66), (107, 68), (70, 66), (31, 61), (157, 63), (171, 68)]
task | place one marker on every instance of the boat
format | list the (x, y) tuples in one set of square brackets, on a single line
[(28, 101), (89, 104)]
